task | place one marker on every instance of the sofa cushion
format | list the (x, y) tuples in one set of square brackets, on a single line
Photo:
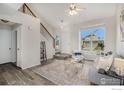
[(101, 79), (90, 55), (118, 66), (105, 62)]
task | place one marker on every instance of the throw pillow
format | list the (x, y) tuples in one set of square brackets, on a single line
[(105, 62)]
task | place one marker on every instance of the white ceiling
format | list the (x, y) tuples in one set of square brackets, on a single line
[(55, 12), (15, 6)]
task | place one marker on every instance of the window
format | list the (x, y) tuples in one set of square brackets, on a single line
[(57, 42), (92, 39)]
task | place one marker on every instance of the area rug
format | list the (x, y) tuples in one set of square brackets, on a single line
[(63, 72)]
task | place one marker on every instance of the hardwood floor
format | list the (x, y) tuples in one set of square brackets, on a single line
[(12, 75)]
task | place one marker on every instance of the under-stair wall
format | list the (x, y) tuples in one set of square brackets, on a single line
[(50, 51)]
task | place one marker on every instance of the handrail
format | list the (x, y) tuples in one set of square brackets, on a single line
[(25, 5), (46, 30)]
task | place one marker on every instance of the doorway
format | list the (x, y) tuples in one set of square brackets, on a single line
[(5, 45), (9, 43), (14, 47), (8, 46)]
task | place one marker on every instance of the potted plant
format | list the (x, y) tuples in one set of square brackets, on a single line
[(100, 47)]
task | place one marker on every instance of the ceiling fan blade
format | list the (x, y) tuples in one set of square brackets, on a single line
[(80, 9)]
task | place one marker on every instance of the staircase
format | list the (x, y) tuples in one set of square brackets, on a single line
[(25, 9)]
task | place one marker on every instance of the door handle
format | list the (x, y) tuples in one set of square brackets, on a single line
[(18, 49), (9, 48)]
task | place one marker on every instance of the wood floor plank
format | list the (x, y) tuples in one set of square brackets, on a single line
[(9, 78), (17, 76), (38, 80), (12, 75), (2, 80), (23, 77)]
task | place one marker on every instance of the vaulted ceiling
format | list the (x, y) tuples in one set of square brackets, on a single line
[(56, 14), (15, 6)]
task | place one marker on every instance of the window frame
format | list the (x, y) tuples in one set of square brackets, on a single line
[(89, 28)]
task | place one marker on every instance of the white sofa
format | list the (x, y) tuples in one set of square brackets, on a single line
[(100, 79), (90, 55), (118, 66)]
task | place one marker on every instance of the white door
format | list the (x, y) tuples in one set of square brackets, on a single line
[(5, 46), (19, 48)]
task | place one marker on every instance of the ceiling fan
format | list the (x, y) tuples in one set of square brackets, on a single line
[(73, 9)]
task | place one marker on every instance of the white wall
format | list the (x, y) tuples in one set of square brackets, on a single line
[(42, 20), (30, 43), (5, 44), (50, 51), (9, 35), (46, 37), (110, 38), (13, 46), (66, 40), (70, 34), (120, 45), (30, 35)]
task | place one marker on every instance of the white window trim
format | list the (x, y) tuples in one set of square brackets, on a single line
[(89, 27)]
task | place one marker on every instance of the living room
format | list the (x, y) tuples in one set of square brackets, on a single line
[(87, 46)]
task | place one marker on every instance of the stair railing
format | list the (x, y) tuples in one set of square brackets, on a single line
[(24, 7)]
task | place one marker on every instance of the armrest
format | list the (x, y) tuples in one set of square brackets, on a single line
[(119, 65), (119, 62)]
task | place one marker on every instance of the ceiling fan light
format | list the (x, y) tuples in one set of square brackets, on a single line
[(72, 12), (75, 12), (72, 6)]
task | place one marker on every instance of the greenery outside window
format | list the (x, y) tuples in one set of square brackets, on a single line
[(92, 39)]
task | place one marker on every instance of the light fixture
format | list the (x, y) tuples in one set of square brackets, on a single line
[(73, 10)]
